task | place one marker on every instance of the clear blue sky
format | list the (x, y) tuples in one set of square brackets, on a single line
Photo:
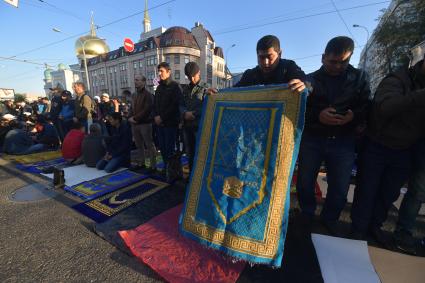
[(302, 32)]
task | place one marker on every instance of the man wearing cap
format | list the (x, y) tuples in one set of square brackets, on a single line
[(191, 107), (141, 121), (83, 105)]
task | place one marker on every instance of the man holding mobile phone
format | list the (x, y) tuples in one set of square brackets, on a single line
[(336, 109)]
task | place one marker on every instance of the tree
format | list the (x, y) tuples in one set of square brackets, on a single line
[(400, 31), (19, 97)]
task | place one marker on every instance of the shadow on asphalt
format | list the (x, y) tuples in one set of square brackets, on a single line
[(134, 264)]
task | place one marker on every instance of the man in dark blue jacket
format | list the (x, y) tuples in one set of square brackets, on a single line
[(118, 145), (272, 69), (336, 109)]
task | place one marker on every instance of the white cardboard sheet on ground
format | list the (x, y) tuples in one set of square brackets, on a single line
[(80, 173), (344, 260)]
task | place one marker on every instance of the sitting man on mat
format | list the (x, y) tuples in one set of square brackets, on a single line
[(118, 145)]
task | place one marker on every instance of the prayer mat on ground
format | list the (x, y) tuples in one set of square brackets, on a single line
[(41, 166), (33, 157), (106, 206), (158, 244), (103, 185), (238, 196), (139, 214), (75, 175)]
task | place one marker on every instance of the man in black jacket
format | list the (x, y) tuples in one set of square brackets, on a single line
[(118, 145), (396, 123), (191, 107), (141, 122), (336, 108), (168, 96), (272, 69)]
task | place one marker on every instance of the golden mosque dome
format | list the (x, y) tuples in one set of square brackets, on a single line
[(93, 45)]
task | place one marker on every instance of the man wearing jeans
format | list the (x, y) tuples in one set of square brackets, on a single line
[(168, 96), (396, 123), (336, 108), (141, 122), (118, 145), (412, 203)]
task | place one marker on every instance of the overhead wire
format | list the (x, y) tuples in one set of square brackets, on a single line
[(342, 19), (300, 17), (83, 33)]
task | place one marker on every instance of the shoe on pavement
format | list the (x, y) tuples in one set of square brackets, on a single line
[(383, 240), (405, 242), (332, 227)]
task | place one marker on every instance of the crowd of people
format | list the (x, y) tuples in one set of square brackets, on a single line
[(382, 133)]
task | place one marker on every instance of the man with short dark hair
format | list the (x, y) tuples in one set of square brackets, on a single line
[(191, 107), (141, 122), (396, 123), (272, 69), (168, 96), (336, 108), (118, 145), (83, 105)]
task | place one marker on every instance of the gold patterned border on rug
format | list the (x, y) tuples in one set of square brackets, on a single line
[(112, 197), (267, 247)]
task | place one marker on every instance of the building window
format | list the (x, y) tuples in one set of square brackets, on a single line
[(115, 69), (167, 59), (177, 59), (140, 64), (177, 74), (135, 65), (155, 60), (186, 59), (209, 56)]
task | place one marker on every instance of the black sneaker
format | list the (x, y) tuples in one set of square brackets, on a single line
[(331, 227), (383, 240), (405, 242), (356, 235)]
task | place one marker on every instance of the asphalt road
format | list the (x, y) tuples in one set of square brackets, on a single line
[(47, 241)]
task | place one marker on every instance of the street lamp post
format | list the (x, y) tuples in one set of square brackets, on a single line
[(83, 43), (226, 65), (367, 43)]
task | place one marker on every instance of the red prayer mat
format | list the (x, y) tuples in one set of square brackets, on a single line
[(159, 244)]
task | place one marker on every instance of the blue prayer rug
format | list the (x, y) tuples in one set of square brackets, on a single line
[(106, 206), (92, 189), (40, 166), (238, 195)]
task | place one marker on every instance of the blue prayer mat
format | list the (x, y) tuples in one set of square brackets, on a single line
[(238, 195), (107, 206), (40, 166), (92, 189)]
